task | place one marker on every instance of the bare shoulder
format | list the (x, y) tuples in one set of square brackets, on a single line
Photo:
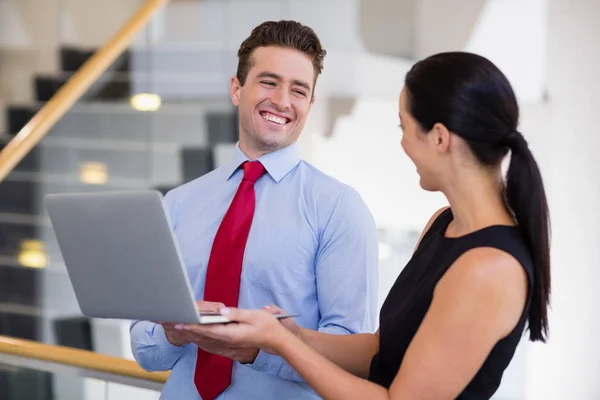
[(429, 223), (489, 266), (491, 279)]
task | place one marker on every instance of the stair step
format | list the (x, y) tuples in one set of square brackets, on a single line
[(25, 383), (75, 332), (17, 117), (196, 162), (73, 58), (12, 236), (18, 198), (20, 286), (222, 127), (105, 88)]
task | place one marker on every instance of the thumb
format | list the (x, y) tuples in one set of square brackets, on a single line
[(235, 314)]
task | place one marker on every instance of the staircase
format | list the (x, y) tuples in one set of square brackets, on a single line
[(105, 142)]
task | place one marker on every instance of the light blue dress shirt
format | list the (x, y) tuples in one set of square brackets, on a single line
[(312, 250)]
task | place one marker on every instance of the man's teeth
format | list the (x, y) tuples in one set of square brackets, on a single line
[(273, 118)]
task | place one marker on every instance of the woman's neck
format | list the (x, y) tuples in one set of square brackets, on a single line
[(476, 199)]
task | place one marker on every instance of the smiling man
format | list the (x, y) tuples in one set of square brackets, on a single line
[(268, 228)]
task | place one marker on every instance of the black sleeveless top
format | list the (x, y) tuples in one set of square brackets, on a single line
[(412, 293)]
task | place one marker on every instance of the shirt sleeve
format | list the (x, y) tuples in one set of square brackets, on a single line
[(149, 345), (151, 348), (346, 268)]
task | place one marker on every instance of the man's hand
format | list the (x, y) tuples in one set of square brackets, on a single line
[(178, 338), (210, 344)]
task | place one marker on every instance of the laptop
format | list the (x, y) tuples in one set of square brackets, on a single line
[(122, 257)]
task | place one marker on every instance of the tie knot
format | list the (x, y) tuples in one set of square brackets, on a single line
[(253, 170)]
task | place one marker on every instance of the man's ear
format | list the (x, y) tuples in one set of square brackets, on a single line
[(440, 135), (312, 101), (234, 90)]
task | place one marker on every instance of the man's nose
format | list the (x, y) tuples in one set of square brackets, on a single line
[(281, 99)]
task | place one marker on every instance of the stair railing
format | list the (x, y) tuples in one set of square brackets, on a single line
[(44, 357)]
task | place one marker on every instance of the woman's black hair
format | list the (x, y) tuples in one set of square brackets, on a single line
[(472, 98)]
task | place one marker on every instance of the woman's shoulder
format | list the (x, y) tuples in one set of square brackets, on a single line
[(491, 276)]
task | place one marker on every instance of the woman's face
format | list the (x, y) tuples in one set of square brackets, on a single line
[(418, 146)]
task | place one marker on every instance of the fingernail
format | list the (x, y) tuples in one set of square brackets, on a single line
[(267, 307), (224, 311), (179, 327)]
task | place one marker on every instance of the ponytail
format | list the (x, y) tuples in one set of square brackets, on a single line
[(526, 198)]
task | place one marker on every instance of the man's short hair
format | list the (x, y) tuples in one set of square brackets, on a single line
[(287, 34)]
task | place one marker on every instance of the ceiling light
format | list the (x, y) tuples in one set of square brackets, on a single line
[(93, 173), (145, 102), (32, 254)]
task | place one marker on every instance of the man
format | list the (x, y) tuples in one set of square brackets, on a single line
[(266, 229)]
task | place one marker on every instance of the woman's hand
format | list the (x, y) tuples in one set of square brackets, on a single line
[(289, 323), (249, 328)]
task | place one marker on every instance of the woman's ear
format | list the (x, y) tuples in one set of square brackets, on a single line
[(440, 135)]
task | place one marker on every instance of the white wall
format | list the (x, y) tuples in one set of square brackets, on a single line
[(380, 20), (511, 33), (443, 25), (364, 151), (28, 37), (568, 366), (90, 23)]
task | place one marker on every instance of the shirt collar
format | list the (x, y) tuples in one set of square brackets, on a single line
[(278, 163)]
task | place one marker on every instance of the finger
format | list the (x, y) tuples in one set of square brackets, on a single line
[(238, 315), (209, 305), (273, 309)]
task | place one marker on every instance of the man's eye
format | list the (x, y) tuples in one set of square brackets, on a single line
[(270, 83)]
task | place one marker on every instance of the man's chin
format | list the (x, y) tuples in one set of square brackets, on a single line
[(272, 145), (274, 141)]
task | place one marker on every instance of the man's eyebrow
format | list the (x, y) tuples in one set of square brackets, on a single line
[(267, 74)]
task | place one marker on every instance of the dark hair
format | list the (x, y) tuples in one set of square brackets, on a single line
[(290, 34), (473, 99)]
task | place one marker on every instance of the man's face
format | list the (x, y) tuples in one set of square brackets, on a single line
[(275, 99)]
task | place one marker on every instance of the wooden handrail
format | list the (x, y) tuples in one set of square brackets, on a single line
[(78, 358), (74, 88)]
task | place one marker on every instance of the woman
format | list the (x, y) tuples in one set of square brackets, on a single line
[(481, 270)]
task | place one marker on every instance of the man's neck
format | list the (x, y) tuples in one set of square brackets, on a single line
[(253, 153)]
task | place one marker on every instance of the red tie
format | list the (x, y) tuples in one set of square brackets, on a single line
[(213, 373)]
